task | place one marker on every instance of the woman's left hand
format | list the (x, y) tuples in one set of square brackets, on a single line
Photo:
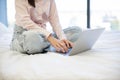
[(68, 43)]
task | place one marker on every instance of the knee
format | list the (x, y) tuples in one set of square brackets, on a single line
[(73, 29), (33, 42), (73, 33), (76, 29)]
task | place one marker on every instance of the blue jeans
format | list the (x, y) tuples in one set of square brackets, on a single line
[(31, 43)]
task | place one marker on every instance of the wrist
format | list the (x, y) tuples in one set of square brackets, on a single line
[(50, 37)]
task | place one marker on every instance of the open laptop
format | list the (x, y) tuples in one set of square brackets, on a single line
[(85, 41)]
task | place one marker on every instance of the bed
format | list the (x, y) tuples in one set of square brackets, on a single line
[(102, 62)]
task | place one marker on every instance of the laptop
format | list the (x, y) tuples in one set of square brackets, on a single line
[(85, 41)]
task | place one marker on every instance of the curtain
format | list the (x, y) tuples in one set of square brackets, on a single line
[(3, 12)]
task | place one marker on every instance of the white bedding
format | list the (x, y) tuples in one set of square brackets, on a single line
[(100, 63)]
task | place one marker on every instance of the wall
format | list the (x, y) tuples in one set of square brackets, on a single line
[(3, 12)]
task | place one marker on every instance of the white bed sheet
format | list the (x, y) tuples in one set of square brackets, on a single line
[(100, 63)]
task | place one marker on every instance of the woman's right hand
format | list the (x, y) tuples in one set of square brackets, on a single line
[(57, 44)]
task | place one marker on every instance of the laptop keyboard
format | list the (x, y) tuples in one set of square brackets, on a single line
[(52, 49)]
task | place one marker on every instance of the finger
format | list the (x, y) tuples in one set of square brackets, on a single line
[(71, 44), (64, 46), (60, 48), (56, 48), (67, 43)]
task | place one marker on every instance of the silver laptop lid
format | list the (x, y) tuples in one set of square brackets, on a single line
[(86, 40)]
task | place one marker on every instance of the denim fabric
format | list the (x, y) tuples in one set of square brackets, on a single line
[(31, 43)]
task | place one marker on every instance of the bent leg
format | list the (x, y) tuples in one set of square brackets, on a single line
[(72, 33), (30, 42)]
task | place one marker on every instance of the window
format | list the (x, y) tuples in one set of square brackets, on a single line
[(72, 12), (105, 13), (11, 11)]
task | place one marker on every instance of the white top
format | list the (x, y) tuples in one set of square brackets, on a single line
[(35, 19)]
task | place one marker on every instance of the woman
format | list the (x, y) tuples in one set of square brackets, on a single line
[(30, 33)]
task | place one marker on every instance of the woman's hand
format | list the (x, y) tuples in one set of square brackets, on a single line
[(68, 43), (59, 45)]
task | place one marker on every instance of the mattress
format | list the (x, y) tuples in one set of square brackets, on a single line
[(102, 62)]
